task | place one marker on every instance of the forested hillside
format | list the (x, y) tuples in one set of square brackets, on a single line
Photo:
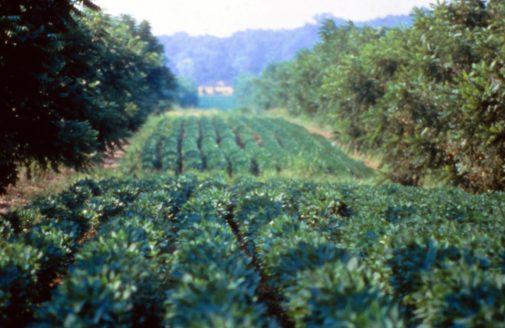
[(428, 99), (208, 59)]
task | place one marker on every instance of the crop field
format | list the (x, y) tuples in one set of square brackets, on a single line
[(183, 245), (189, 252), (237, 145)]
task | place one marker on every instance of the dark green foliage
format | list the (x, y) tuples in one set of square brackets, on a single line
[(213, 156), (189, 147), (328, 225), (186, 93), (428, 98), (19, 269), (74, 83), (116, 279), (50, 231), (186, 252), (339, 295), (213, 281)]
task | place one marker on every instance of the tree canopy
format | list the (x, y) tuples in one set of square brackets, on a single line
[(74, 82)]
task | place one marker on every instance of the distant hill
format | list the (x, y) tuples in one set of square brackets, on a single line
[(208, 59)]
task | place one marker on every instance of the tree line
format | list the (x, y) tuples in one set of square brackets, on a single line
[(74, 83), (430, 99), (209, 59)]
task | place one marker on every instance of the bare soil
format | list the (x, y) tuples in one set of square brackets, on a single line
[(315, 130), (47, 182)]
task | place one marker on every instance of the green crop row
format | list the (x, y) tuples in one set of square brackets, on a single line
[(190, 153), (321, 282), (213, 282), (318, 154), (239, 160), (128, 273), (171, 143), (278, 156), (150, 155), (213, 154), (261, 157)]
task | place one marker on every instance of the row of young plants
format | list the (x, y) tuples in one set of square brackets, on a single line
[(156, 259), (215, 159), (278, 155), (191, 157), (35, 247), (383, 256), (261, 156), (320, 282), (156, 147), (319, 154), (150, 155), (187, 252), (171, 147), (239, 161), (213, 282)]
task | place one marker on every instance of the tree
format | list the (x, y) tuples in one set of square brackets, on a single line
[(75, 82), (186, 93), (36, 95)]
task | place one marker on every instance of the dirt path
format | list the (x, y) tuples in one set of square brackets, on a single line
[(315, 130), (49, 182), (112, 160)]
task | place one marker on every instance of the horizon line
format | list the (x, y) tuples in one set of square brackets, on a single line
[(314, 21)]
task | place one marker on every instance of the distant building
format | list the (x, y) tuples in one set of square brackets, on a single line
[(220, 89)]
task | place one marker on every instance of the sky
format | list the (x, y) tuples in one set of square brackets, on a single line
[(225, 17)]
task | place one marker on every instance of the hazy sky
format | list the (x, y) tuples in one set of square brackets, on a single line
[(224, 17)]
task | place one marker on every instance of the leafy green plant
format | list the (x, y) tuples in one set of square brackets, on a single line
[(181, 251)]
